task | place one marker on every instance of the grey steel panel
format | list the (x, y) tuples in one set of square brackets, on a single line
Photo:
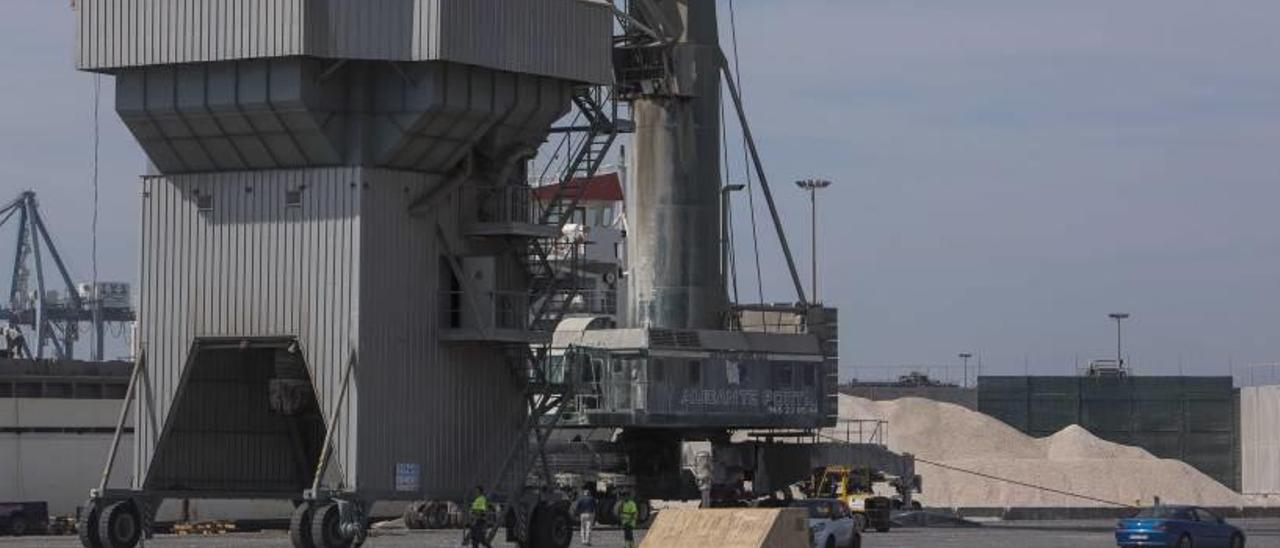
[(227, 272), (569, 39), (451, 409), (349, 270), (549, 37), (119, 33), (1260, 439)]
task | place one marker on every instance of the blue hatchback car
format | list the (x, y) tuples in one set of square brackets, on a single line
[(1180, 526)]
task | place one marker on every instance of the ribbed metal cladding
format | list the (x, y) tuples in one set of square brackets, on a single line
[(1259, 443), (568, 39), (447, 408), (346, 270), (231, 272), (551, 37), (120, 33)]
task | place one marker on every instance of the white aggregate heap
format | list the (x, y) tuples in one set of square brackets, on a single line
[(1072, 460)]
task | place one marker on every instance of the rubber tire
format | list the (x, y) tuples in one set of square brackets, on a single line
[(1185, 541), (18, 526), (883, 528), (552, 527), (300, 526), (326, 527), (436, 515), (644, 514), (860, 523), (1237, 541), (119, 525), (413, 515), (831, 542), (87, 526)]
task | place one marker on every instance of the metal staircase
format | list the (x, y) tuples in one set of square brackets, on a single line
[(553, 267), (553, 264)]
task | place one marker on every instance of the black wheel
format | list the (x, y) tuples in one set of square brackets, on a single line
[(552, 527), (882, 528), (413, 515), (87, 526), (644, 513), (300, 526), (119, 525), (436, 516), (860, 522), (1185, 541), (1237, 541), (831, 542), (18, 526), (326, 527)]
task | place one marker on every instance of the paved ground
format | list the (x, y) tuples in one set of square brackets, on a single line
[(1262, 534)]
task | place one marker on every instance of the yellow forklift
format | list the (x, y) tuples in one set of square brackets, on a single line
[(853, 487)]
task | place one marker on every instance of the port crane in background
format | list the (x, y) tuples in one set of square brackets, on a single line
[(43, 301)]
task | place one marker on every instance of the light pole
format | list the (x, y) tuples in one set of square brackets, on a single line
[(1119, 317), (965, 357), (813, 185)]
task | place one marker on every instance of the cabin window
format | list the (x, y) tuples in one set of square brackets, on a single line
[(695, 372)]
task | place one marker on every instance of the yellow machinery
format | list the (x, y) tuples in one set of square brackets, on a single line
[(853, 486)]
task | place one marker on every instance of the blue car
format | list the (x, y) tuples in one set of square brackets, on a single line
[(1180, 526)]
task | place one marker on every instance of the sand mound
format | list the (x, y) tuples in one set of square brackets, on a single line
[(1074, 442), (1072, 460)]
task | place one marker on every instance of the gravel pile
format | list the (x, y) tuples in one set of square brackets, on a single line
[(1071, 460)]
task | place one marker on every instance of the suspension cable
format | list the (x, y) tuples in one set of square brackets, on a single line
[(93, 256), (746, 160), (997, 478), (731, 267), (1024, 484)]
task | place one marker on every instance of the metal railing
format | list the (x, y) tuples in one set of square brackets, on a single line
[(602, 302), (504, 204), (863, 431), (481, 309)]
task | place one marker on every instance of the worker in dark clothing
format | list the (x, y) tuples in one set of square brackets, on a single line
[(479, 529), (585, 509)]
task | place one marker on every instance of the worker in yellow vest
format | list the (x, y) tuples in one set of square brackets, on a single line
[(479, 530), (627, 516)]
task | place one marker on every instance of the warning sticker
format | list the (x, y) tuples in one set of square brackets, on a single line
[(408, 476)]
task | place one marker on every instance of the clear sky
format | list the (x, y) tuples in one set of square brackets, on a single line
[(1006, 172)]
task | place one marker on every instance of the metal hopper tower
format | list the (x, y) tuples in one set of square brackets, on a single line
[(337, 248)]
